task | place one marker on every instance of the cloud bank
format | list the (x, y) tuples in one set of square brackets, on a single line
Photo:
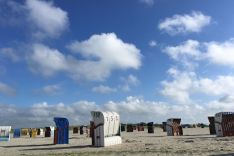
[(132, 109)]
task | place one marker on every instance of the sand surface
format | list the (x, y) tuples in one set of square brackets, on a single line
[(196, 141)]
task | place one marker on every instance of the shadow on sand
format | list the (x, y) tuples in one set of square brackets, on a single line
[(154, 136), (58, 148), (202, 138), (229, 154), (200, 135), (27, 145)]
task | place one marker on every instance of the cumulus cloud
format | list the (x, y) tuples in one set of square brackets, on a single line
[(147, 2), (221, 53), (184, 84), (189, 48), (103, 89), (191, 51), (48, 19), (180, 24), (7, 90), (221, 85), (101, 54), (104, 53)]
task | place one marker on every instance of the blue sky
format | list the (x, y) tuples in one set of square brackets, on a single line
[(149, 60)]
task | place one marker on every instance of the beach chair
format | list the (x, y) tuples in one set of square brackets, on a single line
[(224, 124), (33, 132), (24, 132), (75, 130), (150, 127), (140, 127), (106, 128), (173, 127), (123, 127), (47, 132), (61, 132), (16, 133), (5, 133), (129, 128)]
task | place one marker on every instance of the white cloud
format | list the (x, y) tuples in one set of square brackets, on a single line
[(46, 61), (218, 53), (189, 48), (6, 89), (225, 104), (221, 85), (147, 2), (102, 54), (152, 43), (186, 23), (49, 19), (185, 84), (128, 82), (103, 89), (178, 89), (49, 90), (221, 53)]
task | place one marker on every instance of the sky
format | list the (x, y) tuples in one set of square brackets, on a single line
[(148, 60)]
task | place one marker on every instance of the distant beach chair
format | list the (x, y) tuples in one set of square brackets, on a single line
[(212, 125), (150, 127), (75, 130), (5, 133), (164, 124), (40, 131), (47, 132), (173, 127), (24, 131), (134, 127), (123, 127), (33, 132), (129, 128), (61, 133), (81, 130), (16, 133), (106, 128), (224, 124), (140, 127)]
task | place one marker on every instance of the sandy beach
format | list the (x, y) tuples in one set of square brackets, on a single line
[(196, 141)]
